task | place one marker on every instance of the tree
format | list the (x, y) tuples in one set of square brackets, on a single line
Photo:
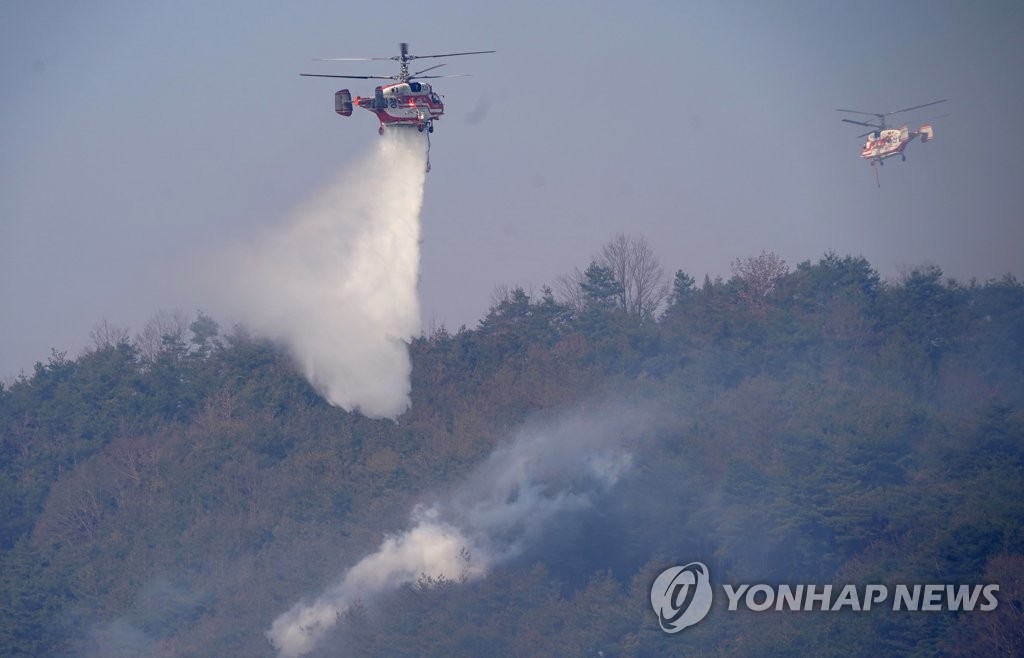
[(570, 289), (204, 334), (684, 288), (164, 325), (1000, 632), (757, 277), (639, 274), (106, 335), (601, 290)]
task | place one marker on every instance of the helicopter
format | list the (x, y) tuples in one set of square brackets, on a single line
[(405, 102), (884, 142)]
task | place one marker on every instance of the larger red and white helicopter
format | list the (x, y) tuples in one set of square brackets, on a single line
[(884, 142), (405, 102)]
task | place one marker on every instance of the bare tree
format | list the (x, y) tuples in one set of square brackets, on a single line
[(570, 289), (757, 277), (501, 293), (78, 514), (637, 270), (151, 340), (106, 336)]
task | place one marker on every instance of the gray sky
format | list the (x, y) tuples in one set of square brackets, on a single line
[(138, 137)]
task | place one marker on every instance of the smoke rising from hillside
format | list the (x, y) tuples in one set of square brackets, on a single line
[(337, 284), (498, 512)]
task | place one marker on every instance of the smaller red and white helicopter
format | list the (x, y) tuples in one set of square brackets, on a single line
[(405, 102), (884, 142)]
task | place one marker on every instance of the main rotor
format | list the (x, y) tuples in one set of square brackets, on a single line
[(880, 124), (403, 59)]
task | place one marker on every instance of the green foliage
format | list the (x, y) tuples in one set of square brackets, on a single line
[(601, 291), (837, 430), (684, 288)]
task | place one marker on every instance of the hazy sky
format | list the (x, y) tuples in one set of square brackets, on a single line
[(138, 137)]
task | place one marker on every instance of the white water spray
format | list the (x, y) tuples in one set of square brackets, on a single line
[(500, 510), (338, 284)]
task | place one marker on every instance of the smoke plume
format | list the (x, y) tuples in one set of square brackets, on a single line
[(337, 284), (497, 513)]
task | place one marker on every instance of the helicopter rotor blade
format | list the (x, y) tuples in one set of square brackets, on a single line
[(450, 75), (429, 68), (403, 58), (870, 114), (352, 59), (916, 107), (354, 77), (475, 52), (862, 123)]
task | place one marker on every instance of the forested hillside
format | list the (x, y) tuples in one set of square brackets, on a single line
[(170, 493)]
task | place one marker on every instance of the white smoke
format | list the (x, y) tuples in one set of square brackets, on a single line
[(338, 283), (502, 508)]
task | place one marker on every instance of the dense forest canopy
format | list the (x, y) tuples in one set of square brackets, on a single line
[(171, 493)]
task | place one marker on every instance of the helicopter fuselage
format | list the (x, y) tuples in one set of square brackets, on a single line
[(889, 142), (409, 103)]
